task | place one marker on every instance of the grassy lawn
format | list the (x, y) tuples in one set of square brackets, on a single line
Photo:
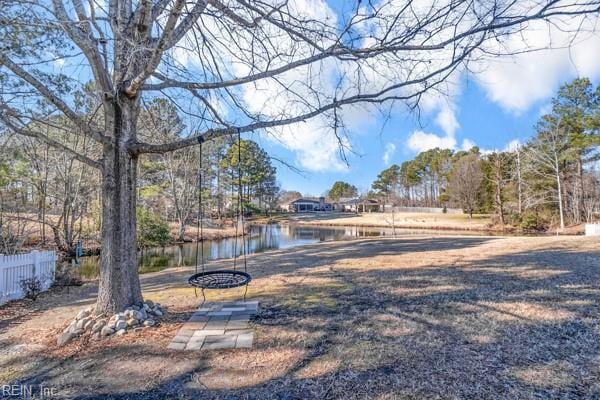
[(411, 318), (400, 220)]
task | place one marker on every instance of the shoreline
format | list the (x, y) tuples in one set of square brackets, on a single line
[(426, 222), (451, 224), (92, 247), (448, 229)]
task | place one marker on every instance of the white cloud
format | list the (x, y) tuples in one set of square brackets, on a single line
[(419, 141), (390, 149), (513, 145), (517, 82), (446, 119), (467, 144), (510, 147), (315, 147), (294, 92)]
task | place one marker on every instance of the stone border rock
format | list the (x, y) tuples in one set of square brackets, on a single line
[(134, 318)]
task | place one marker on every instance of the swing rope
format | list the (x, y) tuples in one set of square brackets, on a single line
[(241, 207), (240, 194), (220, 279), (199, 221)]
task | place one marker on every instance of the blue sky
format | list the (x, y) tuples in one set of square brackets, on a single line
[(486, 123), (493, 109)]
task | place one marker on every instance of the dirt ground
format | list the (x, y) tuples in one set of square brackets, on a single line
[(420, 317), (399, 220)]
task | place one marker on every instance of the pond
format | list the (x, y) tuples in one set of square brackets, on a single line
[(260, 238)]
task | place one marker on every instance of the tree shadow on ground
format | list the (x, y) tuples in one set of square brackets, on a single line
[(524, 325), (19, 311)]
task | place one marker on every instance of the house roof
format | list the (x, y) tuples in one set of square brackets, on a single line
[(359, 201), (304, 200)]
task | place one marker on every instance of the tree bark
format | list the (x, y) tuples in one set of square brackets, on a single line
[(119, 284), (579, 201), (559, 189), (500, 203), (499, 181), (519, 182)]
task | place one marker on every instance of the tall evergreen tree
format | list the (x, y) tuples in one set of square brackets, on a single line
[(342, 189)]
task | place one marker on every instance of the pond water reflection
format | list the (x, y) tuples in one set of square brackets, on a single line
[(261, 238)]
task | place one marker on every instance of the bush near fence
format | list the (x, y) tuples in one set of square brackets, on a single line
[(15, 268)]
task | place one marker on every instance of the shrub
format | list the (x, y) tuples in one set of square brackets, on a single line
[(529, 222), (31, 287), (152, 229), (515, 219), (251, 209), (67, 275)]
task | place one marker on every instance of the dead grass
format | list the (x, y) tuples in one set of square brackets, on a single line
[(418, 317), (209, 233), (399, 220)]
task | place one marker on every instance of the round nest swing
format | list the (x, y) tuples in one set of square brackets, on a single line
[(220, 279)]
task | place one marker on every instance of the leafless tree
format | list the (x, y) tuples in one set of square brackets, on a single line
[(232, 66), (54, 181), (518, 178), (499, 176), (545, 159), (159, 122), (464, 185), (13, 232), (591, 200)]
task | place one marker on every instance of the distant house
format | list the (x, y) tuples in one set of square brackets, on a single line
[(308, 205), (358, 205)]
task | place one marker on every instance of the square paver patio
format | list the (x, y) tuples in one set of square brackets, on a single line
[(217, 326)]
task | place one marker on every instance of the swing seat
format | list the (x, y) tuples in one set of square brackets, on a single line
[(220, 279)]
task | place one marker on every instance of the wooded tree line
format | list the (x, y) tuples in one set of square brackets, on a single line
[(553, 179), (45, 189)]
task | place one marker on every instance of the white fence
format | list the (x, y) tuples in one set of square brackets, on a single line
[(17, 267), (592, 229)]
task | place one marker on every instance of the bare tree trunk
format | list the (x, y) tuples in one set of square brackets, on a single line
[(500, 203), (519, 182), (219, 198), (45, 194), (560, 194), (119, 284), (180, 228), (499, 182), (579, 202)]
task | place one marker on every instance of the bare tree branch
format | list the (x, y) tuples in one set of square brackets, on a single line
[(26, 132), (155, 57), (81, 34), (52, 98)]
